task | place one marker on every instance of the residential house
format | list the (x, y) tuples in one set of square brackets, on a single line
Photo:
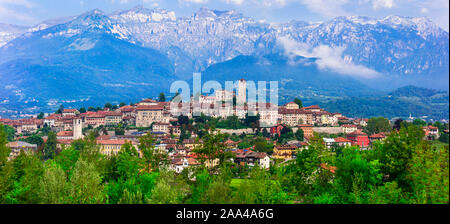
[(251, 158), (148, 114), (307, 130), (112, 146), (112, 118), (179, 164), (342, 142), (70, 112), (377, 137), (431, 132), (64, 135), (284, 151), (18, 146), (359, 138), (349, 128), (161, 127)]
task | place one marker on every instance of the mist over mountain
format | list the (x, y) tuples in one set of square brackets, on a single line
[(136, 53)]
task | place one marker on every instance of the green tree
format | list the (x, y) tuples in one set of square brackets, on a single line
[(153, 159), (219, 190), (41, 115), (108, 105), (389, 193), (60, 110), (419, 122), (10, 132), (82, 110), (429, 174), (233, 122), (28, 170), (213, 148), (261, 145), (128, 161), (162, 97), (50, 146), (260, 189), (119, 131), (54, 188), (86, 184), (4, 151), (377, 125), (396, 152), (67, 159), (168, 190), (122, 104), (202, 181), (355, 176), (444, 138), (299, 135), (34, 139), (298, 102)]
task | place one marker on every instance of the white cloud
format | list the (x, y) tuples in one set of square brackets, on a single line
[(194, 1), (259, 3), (326, 8), (387, 4), (328, 58), (23, 3), (6, 10), (235, 2), (437, 10), (424, 10)]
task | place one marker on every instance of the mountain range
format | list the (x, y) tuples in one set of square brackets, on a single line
[(131, 54)]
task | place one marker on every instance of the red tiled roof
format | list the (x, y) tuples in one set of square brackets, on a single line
[(65, 133), (70, 110), (148, 101), (305, 126), (160, 123), (103, 137), (112, 113), (349, 126), (149, 107), (53, 117), (357, 132), (112, 142), (286, 147), (293, 111), (312, 107), (341, 139), (64, 141), (379, 135)]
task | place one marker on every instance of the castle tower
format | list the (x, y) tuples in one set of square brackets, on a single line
[(77, 129), (242, 92)]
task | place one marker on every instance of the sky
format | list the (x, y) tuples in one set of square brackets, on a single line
[(31, 12)]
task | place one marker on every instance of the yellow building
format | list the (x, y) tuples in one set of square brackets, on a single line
[(284, 151), (146, 115), (112, 146)]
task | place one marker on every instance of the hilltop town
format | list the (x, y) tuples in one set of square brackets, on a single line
[(274, 134)]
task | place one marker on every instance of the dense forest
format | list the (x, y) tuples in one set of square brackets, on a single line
[(403, 169), (402, 102)]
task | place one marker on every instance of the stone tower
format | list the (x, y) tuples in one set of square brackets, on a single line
[(77, 129), (242, 92)]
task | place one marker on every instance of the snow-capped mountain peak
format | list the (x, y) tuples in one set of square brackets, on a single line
[(393, 44), (139, 14)]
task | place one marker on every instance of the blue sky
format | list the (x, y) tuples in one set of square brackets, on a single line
[(30, 12)]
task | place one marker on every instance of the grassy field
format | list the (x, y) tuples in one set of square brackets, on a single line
[(438, 144), (236, 182)]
